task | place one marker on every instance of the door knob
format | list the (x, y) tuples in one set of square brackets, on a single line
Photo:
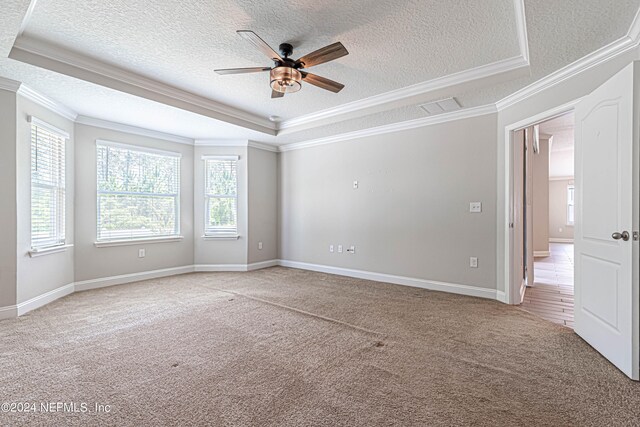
[(624, 235)]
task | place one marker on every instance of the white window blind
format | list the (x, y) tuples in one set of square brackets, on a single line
[(138, 192), (221, 195), (47, 185)]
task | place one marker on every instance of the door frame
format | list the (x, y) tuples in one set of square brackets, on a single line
[(513, 291)]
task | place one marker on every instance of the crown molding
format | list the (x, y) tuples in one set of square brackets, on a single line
[(422, 88), (47, 102), (604, 54), (27, 17), (394, 127), (42, 54), (135, 130), (263, 146), (521, 28), (221, 143), (235, 143), (10, 85)]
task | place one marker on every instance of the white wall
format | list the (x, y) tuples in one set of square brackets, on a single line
[(558, 210), (220, 251), (541, 198), (41, 274), (8, 211), (410, 215), (92, 262), (263, 207)]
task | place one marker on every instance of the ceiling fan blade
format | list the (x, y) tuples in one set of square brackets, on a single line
[(320, 56), (242, 70), (322, 82), (260, 44), (276, 94)]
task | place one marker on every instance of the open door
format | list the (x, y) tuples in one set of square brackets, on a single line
[(606, 249), (517, 212)]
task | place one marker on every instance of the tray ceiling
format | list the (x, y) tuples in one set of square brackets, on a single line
[(393, 46)]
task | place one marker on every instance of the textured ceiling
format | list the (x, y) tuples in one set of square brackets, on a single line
[(391, 44)]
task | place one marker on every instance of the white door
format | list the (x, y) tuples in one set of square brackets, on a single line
[(606, 288), (528, 197)]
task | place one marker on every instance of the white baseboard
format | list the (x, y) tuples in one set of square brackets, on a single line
[(559, 240), (263, 264), (541, 254), (220, 267), (398, 280), (502, 297), (236, 267), (8, 312), (44, 299), (133, 277)]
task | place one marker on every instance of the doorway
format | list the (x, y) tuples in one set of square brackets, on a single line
[(549, 291)]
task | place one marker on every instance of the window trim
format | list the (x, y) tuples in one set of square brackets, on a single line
[(61, 245), (571, 187), (173, 237), (222, 234)]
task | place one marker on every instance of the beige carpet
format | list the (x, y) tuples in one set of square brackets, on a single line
[(284, 347)]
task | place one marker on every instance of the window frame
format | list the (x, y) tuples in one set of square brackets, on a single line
[(59, 241), (117, 241), (210, 233), (571, 190)]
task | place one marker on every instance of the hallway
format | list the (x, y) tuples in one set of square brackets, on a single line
[(551, 297)]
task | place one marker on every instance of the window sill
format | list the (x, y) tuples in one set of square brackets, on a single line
[(36, 252), (131, 242), (221, 236)]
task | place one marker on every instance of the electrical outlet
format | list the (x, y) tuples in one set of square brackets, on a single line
[(339, 249), (473, 262), (560, 229), (331, 248), (259, 245), (475, 207), (355, 185), (352, 249), (142, 253)]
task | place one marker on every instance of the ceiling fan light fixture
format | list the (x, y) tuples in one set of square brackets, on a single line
[(285, 79)]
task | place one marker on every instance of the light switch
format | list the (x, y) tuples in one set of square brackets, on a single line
[(473, 262), (475, 207), (260, 245), (331, 248), (142, 253), (339, 249)]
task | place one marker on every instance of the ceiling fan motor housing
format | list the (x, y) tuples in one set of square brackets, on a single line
[(285, 49)]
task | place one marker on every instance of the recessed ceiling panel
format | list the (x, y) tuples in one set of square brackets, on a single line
[(391, 44)]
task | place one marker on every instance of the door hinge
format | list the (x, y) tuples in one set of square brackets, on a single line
[(635, 236)]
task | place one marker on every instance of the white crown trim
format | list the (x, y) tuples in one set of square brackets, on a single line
[(235, 143), (47, 102), (10, 85), (36, 52), (604, 54), (120, 127), (394, 127), (521, 28), (406, 92)]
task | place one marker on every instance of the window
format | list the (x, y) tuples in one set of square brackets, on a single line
[(221, 196), (47, 185), (138, 192), (570, 205)]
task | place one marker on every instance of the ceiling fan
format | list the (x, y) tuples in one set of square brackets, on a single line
[(286, 75)]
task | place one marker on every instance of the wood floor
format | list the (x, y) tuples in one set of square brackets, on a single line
[(551, 295)]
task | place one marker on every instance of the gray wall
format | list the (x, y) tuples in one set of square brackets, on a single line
[(263, 216), (92, 262), (558, 210), (8, 211), (541, 198), (220, 251), (409, 216), (42, 274)]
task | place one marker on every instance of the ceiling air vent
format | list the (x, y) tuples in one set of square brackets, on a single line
[(441, 106)]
